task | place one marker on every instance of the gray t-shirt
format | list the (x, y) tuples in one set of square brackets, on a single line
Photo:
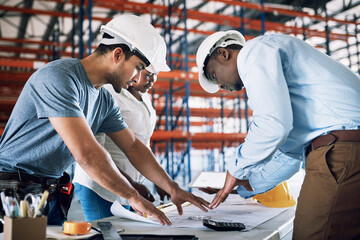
[(59, 89)]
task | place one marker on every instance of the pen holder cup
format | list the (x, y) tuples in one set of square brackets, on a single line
[(25, 228)]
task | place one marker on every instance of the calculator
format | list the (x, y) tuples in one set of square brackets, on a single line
[(223, 225)]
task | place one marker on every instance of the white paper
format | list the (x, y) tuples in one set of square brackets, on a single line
[(118, 210), (209, 179), (234, 209), (249, 213)]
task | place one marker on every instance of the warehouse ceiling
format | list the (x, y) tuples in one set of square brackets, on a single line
[(49, 29)]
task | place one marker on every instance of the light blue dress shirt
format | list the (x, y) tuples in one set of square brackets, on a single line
[(296, 93)]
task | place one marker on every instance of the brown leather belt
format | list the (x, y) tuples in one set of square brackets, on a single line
[(334, 136)]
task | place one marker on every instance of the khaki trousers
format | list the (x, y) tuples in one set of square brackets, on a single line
[(329, 201)]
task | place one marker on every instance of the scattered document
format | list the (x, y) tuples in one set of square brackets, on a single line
[(250, 214), (234, 209), (118, 210)]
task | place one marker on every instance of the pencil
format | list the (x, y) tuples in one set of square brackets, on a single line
[(43, 199)]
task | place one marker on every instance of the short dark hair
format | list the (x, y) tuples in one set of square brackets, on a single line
[(102, 49)]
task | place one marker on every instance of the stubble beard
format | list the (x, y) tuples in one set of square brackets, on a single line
[(113, 79)]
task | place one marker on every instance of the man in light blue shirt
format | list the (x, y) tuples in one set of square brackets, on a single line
[(305, 105)]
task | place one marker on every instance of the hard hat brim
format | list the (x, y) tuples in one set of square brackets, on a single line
[(280, 204), (161, 68), (208, 86)]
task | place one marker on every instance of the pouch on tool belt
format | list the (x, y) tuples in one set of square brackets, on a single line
[(65, 193)]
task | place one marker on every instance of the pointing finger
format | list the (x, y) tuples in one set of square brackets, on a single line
[(179, 208)]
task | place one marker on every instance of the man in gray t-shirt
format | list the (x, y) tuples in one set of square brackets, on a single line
[(59, 89), (63, 105)]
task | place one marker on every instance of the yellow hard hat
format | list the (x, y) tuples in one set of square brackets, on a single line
[(277, 197)]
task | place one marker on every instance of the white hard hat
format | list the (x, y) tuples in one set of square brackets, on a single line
[(208, 46), (142, 39)]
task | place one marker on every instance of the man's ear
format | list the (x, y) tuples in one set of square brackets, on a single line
[(117, 54), (223, 53)]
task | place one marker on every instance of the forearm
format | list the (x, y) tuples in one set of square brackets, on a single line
[(130, 180), (100, 167), (92, 158), (145, 162), (143, 159)]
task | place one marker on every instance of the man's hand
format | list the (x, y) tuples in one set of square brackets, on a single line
[(180, 196), (142, 206), (210, 190), (143, 191), (162, 193), (229, 185)]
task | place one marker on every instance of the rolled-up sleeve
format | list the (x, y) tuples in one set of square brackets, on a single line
[(270, 173)]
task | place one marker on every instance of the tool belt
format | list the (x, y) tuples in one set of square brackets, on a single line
[(19, 184), (333, 137)]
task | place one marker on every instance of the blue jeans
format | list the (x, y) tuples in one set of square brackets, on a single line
[(93, 206), (54, 215)]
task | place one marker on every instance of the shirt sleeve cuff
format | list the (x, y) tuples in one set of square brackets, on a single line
[(266, 175), (243, 172)]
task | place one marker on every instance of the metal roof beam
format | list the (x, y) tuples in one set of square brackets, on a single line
[(283, 10), (50, 27), (192, 14), (24, 20)]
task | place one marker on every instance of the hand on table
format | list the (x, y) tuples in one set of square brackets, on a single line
[(143, 206), (180, 196), (210, 190), (229, 185)]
